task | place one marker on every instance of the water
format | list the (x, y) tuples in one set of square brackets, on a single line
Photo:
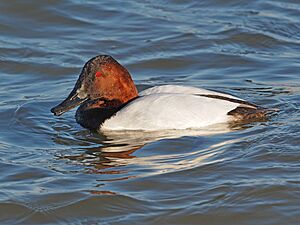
[(54, 171)]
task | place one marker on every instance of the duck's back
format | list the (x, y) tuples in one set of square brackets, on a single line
[(178, 89), (172, 107)]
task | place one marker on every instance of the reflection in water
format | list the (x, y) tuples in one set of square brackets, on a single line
[(117, 151)]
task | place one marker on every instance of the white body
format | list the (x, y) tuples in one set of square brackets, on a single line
[(172, 107)]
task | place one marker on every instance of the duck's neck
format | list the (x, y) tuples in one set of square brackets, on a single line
[(93, 113)]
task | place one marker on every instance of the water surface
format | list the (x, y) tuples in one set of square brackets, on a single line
[(54, 171)]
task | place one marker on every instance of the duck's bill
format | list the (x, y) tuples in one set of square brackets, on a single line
[(69, 103)]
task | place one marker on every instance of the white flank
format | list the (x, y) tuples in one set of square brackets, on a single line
[(171, 107)]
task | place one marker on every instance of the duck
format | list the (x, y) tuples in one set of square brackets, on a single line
[(109, 100)]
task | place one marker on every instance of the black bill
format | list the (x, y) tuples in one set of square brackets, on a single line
[(69, 103)]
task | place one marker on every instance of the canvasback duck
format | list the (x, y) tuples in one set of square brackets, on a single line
[(108, 100)]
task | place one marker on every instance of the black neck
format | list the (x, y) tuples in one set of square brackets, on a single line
[(93, 117)]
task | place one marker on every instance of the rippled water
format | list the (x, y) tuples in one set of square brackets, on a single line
[(54, 171)]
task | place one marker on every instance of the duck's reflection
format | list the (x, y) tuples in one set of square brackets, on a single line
[(114, 156), (117, 149)]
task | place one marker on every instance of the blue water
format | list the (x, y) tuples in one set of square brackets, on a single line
[(54, 171)]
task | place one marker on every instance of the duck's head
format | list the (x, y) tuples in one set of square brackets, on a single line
[(102, 77)]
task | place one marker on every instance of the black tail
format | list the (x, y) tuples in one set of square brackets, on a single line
[(241, 113)]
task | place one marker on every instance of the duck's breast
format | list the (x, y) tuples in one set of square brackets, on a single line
[(170, 111)]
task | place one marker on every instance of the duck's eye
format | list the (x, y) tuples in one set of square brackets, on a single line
[(98, 74)]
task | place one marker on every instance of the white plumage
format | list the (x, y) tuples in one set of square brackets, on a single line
[(172, 107)]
